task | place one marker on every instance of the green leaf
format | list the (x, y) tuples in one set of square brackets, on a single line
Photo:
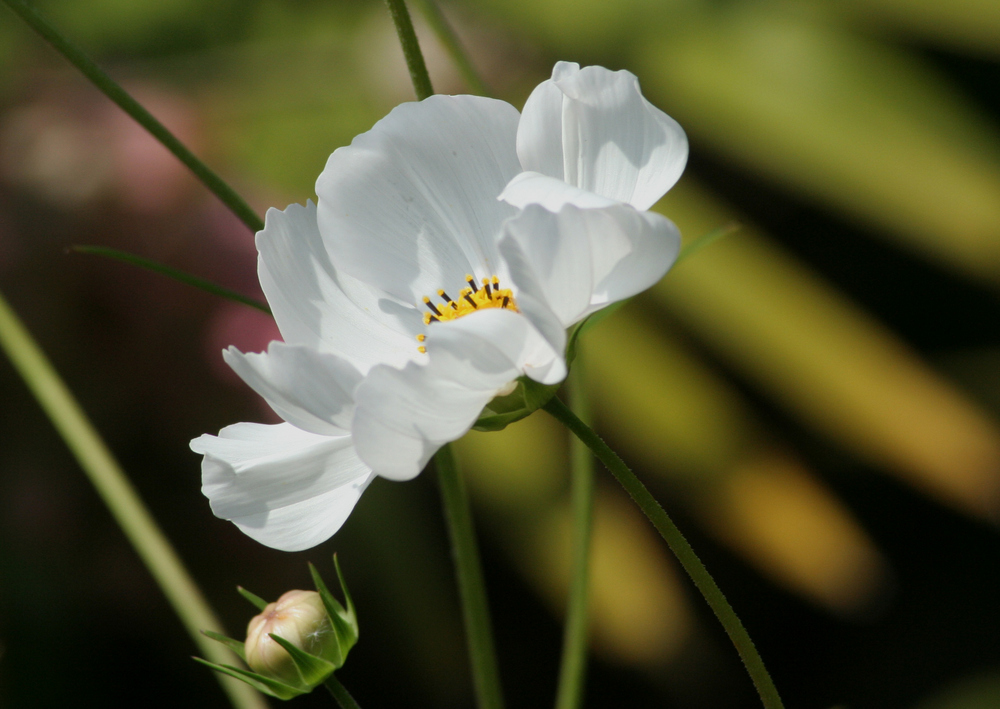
[(259, 602), (234, 645), (174, 273), (266, 685), (313, 669)]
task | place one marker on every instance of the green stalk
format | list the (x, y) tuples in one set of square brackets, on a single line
[(411, 48), (471, 586), (449, 40), (679, 546), (340, 693), (143, 117), (120, 497), (573, 669)]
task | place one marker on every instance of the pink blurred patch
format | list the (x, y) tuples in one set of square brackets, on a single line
[(149, 179), (248, 330)]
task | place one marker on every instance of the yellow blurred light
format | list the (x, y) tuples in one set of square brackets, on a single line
[(639, 611), (829, 362), (775, 513)]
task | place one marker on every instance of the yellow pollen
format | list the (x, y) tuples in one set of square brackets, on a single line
[(470, 299)]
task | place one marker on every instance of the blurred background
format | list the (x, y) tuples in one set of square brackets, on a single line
[(815, 398)]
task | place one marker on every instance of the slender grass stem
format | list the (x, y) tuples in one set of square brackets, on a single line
[(174, 273), (449, 40), (411, 48), (573, 668), (121, 498), (340, 693), (116, 93), (679, 546), (471, 586)]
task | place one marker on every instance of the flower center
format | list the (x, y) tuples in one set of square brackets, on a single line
[(470, 299)]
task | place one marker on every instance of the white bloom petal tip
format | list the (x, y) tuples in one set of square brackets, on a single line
[(593, 129), (284, 487)]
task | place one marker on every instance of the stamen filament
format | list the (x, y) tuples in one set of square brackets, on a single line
[(470, 299)]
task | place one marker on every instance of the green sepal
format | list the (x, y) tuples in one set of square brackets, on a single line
[(344, 621), (265, 685), (234, 645), (528, 396), (312, 668), (347, 594), (256, 600), (705, 240)]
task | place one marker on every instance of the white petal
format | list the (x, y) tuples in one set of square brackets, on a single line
[(312, 390), (410, 206), (316, 306), (630, 251), (284, 487), (550, 261), (404, 416), (577, 261), (613, 141), (550, 192)]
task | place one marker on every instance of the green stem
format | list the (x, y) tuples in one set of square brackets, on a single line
[(411, 48), (128, 104), (449, 40), (120, 497), (680, 547), (574, 654), (471, 587), (340, 693)]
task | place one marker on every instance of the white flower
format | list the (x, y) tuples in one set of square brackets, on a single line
[(411, 295)]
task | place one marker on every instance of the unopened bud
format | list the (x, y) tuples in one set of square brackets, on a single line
[(298, 617)]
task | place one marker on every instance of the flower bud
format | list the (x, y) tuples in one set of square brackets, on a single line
[(298, 617)]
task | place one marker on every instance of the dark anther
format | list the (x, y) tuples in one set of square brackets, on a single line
[(471, 301)]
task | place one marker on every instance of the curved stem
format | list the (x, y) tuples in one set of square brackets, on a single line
[(121, 498), (573, 668), (340, 693), (680, 547), (449, 40), (471, 587), (411, 48), (116, 93)]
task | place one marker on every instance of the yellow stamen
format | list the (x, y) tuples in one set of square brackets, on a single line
[(470, 299)]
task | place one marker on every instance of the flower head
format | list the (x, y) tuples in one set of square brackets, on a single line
[(413, 294), (298, 617)]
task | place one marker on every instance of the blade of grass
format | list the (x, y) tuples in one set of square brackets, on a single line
[(121, 498), (174, 273)]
